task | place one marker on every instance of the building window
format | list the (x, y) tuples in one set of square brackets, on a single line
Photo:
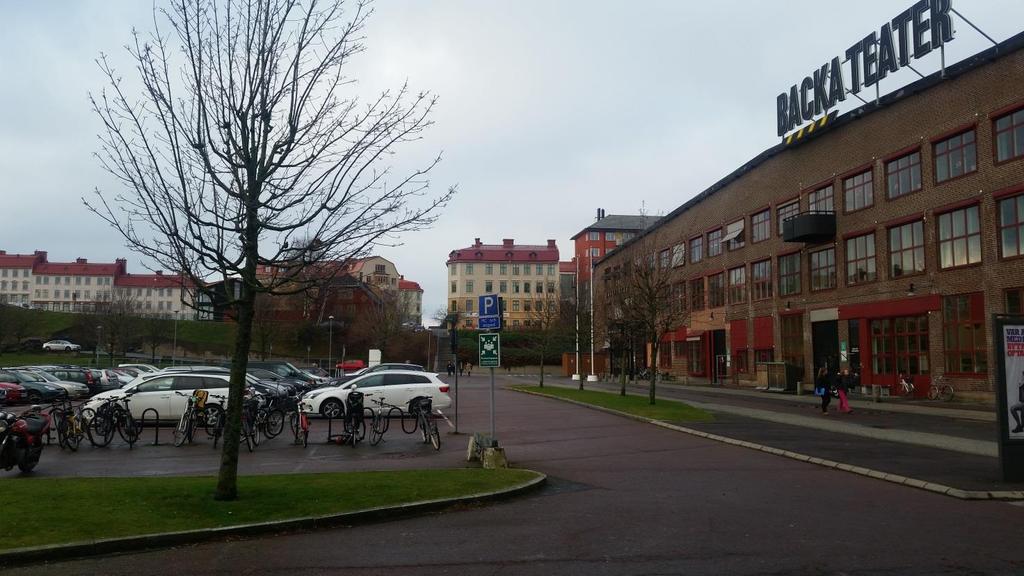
[(786, 211), (823, 269), (515, 286), (539, 269), (716, 290), (678, 297), (469, 269), (595, 252), (1015, 301), (903, 175), (714, 243), (955, 156), (860, 259), (503, 269), (664, 258), (593, 235), (502, 286), (734, 234), (696, 249), (455, 287), (697, 294), (761, 226), (469, 305), (527, 306), (906, 249), (959, 238), (488, 269), (821, 200), (515, 269), (551, 287), (695, 357), (678, 255), (1011, 226), (761, 280), (789, 274), (526, 287), (488, 286), (515, 305), (539, 288), (551, 269), (963, 333), (858, 191), (792, 333), (1010, 136), (738, 285)]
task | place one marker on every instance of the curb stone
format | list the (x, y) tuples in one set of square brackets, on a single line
[(74, 550), (1003, 495)]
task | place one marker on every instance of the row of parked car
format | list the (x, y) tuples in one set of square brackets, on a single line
[(156, 389)]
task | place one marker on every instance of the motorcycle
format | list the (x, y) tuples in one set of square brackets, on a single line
[(22, 438)]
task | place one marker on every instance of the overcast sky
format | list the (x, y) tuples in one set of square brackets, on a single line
[(548, 109)]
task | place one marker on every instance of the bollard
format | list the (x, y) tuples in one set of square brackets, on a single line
[(876, 392), (799, 388)]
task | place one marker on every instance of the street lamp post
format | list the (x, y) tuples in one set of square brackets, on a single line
[(330, 345), (174, 343), (592, 377), (99, 338)]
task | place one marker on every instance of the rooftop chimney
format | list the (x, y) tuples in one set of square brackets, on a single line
[(508, 242), (600, 214), (3, 252), (551, 244), (81, 261), (159, 272), (477, 243)]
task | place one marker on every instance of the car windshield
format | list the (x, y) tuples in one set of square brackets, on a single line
[(46, 376), (27, 376)]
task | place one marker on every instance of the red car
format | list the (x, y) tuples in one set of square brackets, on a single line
[(14, 392), (350, 365)]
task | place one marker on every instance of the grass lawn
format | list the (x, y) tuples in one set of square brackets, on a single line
[(63, 510), (666, 410)]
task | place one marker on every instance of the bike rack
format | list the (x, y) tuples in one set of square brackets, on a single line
[(156, 419)]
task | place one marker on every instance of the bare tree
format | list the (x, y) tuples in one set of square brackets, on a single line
[(246, 155), (643, 297), (155, 334), (546, 319)]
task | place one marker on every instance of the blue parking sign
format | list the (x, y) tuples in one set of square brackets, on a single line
[(489, 308)]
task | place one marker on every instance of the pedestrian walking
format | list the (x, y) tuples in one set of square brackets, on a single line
[(844, 386), (451, 368), (469, 369), (462, 368), (821, 388)]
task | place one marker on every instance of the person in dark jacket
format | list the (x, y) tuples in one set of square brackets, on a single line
[(843, 386), (821, 386)]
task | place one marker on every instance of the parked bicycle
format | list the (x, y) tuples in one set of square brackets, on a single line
[(353, 423), (217, 418), (114, 416), (906, 383), (940, 389), (382, 419), (67, 419), (298, 421), (421, 408), (198, 413)]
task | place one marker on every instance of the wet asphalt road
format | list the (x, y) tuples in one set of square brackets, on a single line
[(629, 498)]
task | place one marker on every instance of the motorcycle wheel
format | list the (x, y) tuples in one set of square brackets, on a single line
[(29, 459)]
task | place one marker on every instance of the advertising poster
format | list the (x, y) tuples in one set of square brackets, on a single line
[(1013, 357)]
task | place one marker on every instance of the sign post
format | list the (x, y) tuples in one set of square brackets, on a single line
[(490, 357), (1009, 341)]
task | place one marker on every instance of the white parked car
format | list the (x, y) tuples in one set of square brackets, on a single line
[(158, 392), (61, 345), (396, 387), (140, 367)]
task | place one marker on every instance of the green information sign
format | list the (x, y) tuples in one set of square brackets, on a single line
[(490, 350)]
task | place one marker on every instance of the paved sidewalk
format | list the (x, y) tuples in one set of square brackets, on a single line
[(952, 447)]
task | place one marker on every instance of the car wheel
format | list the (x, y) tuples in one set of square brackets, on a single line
[(67, 348), (34, 397), (331, 408)]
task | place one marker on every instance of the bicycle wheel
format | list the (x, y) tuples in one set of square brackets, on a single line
[(183, 431), (101, 428), (74, 433), (274, 423), (304, 425), (247, 433), (60, 424), (212, 419), (128, 429), (435, 435), (377, 429), (293, 425), (423, 423), (946, 392)]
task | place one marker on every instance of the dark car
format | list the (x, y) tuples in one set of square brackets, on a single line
[(37, 389), (293, 385), (89, 376)]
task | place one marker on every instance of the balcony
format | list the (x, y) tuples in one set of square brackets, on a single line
[(810, 227)]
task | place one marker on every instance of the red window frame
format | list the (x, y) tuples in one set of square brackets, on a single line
[(957, 150), (784, 211), (903, 175), (822, 265), (715, 243), (761, 226), (697, 301), (696, 249), (785, 274), (761, 280), (965, 241), (899, 252), (859, 187), (1011, 225), (695, 358), (822, 200), (1013, 301), (716, 290), (861, 257), (964, 335), (1012, 134), (738, 285)]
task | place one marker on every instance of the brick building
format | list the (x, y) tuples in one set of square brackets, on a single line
[(603, 236), (525, 275), (884, 242)]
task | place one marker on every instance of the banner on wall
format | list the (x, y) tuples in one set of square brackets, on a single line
[(1013, 368)]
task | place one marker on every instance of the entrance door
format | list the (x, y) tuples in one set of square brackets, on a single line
[(720, 355), (825, 342)]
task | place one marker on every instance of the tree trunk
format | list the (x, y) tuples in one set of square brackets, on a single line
[(622, 371), (227, 478), (542, 370), (653, 372)]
